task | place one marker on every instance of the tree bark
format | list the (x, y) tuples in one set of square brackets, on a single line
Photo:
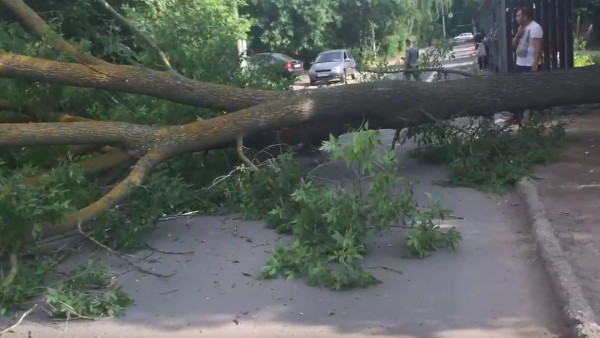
[(386, 104), (124, 135), (135, 80)]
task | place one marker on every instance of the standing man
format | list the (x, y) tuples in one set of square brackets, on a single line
[(410, 61), (528, 42)]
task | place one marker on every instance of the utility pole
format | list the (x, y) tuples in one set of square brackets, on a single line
[(443, 19), (444, 24)]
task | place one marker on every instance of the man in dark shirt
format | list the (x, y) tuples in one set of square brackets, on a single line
[(410, 61)]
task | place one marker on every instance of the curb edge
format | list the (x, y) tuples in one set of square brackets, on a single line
[(576, 310)]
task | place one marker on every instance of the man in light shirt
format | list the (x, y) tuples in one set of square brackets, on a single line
[(528, 42)]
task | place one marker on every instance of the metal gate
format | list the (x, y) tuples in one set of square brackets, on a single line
[(555, 17)]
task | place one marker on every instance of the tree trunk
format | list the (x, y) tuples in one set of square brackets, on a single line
[(269, 117), (264, 117)]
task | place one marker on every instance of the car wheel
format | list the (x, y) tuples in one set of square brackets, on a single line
[(353, 76)]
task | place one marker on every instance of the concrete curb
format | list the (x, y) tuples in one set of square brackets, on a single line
[(577, 311)]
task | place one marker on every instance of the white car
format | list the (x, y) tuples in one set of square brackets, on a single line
[(464, 37)]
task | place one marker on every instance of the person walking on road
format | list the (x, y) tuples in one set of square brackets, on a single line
[(528, 42)]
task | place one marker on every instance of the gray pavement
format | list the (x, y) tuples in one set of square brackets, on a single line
[(492, 286)]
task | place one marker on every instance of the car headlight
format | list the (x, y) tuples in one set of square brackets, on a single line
[(337, 69)]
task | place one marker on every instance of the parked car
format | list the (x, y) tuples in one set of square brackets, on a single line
[(333, 65), (463, 37), (287, 65)]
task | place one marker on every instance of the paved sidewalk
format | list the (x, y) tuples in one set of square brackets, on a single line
[(570, 192)]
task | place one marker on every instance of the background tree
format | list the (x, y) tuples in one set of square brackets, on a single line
[(589, 14), (304, 28), (462, 19)]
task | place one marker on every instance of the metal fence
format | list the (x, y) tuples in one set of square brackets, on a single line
[(497, 18)]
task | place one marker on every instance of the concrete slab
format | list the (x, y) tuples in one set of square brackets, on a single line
[(492, 286)]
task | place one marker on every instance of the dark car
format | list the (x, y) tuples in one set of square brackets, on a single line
[(290, 67)]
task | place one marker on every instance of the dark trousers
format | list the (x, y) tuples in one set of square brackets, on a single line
[(414, 73), (527, 69), (523, 69), (482, 61)]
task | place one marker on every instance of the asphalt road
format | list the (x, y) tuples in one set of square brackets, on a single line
[(460, 56)]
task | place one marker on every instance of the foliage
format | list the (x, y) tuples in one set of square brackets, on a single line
[(304, 28), (26, 208), (579, 43), (485, 156), (582, 60), (331, 223), (295, 27), (28, 284), (90, 291)]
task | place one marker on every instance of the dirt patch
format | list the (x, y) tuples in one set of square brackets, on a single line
[(570, 192)]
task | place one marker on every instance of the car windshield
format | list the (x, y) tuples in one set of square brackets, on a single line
[(282, 57), (329, 57)]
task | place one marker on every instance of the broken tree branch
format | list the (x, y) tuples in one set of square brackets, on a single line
[(135, 80), (94, 165), (126, 135), (14, 269), (26, 109), (137, 32), (240, 152), (116, 194), (421, 70), (19, 321), (446, 123), (34, 22), (122, 257)]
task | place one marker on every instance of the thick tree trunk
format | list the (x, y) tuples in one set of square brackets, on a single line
[(386, 104), (266, 117)]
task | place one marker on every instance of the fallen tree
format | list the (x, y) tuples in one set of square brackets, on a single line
[(282, 118), (259, 118)]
